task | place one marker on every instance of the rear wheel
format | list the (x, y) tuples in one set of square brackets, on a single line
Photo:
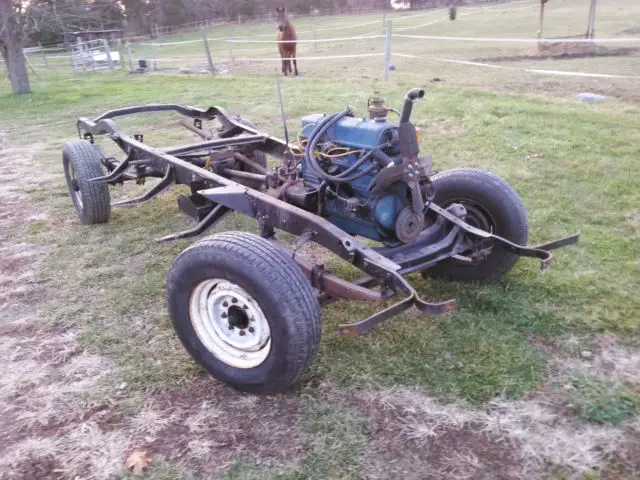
[(244, 311), (81, 162), (491, 205)]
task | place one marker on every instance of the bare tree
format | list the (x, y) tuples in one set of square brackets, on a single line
[(12, 37)]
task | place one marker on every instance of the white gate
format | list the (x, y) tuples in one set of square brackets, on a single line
[(94, 55)]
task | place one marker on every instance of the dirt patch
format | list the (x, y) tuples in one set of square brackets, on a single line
[(518, 439), (624, 462), (630, 31), (207, 426), (46, 373), (604, 356), (43, 467), (561, 51)]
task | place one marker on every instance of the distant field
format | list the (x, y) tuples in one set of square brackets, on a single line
[(563, 18)]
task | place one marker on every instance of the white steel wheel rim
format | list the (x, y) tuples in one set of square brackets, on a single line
[(230, 323)]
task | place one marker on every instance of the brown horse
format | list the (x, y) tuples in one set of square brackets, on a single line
[(286, 33)]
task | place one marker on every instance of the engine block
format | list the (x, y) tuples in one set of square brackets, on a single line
[(357, 207)]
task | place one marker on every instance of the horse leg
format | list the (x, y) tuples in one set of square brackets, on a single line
[(295, 65), (284, 67)]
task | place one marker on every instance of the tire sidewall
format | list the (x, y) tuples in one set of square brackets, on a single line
[(504, 205), (186, 276), (506, 215), (82, 156)]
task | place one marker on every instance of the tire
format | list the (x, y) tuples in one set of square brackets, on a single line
[(271, 295), (491, 205), (81, 163)]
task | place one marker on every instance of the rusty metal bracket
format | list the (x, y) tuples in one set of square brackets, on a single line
[(541, 252), (412, 299)]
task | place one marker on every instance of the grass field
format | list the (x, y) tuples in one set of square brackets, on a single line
[(563, 18), (532, 377)]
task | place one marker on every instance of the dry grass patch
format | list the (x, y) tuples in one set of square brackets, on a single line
[(520, 439)]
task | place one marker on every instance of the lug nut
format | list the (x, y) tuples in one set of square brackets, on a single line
[(242, 333), (225, 304), (234, 300), (224, 315), (251, 330)]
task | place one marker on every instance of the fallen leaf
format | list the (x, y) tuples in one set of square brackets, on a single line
[(137, 462)]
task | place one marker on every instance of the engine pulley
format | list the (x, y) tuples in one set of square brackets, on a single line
[(409, 224)]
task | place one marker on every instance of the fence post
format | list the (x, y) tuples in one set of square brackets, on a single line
[(206, 49), (92, 58), (387, 51), (154, 48), (44, 57), (130, 59), (73, 61), (315, 35), (120, 48), (592, 19), (108, 52), (230, 47)]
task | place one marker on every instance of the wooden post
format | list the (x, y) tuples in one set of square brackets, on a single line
[(108, 52), (44, 57), (154, 48), (206, 49), (387, 51), (130, 59), (315, 35), (592, 19), (541, 23)]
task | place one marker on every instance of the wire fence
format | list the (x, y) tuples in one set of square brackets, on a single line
[(373, 46)]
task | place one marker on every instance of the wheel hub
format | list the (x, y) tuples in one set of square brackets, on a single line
[(230, 323)]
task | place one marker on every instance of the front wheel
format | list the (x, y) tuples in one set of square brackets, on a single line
[(244, 311), (492, 205)]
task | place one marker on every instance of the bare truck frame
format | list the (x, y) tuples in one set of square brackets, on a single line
[(225, 317)]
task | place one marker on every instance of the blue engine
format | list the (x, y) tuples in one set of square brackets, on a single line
[(357, 207)]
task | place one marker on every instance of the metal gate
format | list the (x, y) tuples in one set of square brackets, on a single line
[(94, 55)]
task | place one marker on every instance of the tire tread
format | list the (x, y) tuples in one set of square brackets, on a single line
[(96, 200)]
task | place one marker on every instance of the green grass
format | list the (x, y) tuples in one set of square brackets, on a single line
[(603, 401), (586, 179)]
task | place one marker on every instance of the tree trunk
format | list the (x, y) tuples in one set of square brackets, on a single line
[(16, 67), (11, 43)]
